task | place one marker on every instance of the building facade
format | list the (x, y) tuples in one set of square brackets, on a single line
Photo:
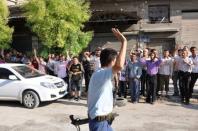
[(159, 24)]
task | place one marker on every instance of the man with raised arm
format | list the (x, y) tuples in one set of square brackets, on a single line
[(100, 93)]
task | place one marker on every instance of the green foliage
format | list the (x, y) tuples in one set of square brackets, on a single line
[(59, 23), (5, 30)]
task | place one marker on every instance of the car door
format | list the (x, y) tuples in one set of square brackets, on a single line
[(9, 89)]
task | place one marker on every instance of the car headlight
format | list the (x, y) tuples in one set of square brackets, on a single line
[(48, 85)]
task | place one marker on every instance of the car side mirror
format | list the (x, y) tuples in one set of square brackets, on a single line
[(12, 77)]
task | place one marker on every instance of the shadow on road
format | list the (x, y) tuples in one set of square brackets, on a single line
[(70, 102), (11, 104), (18, 104), (175, 101)]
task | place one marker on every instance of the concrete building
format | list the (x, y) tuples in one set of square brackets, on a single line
[(159, 24)]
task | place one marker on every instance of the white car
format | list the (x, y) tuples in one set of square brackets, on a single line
[(22, 83)]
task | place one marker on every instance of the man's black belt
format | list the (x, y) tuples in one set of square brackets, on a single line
[(104, 117)]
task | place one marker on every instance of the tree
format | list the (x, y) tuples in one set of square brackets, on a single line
[(59, 23), (5, 30)]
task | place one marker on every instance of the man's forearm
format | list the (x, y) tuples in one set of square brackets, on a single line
[(121, 56)]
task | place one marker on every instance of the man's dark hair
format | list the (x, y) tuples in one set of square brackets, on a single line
[(107, 56), (153, 50), (166, 50), (75, 57), (151, 53), (193, 47)]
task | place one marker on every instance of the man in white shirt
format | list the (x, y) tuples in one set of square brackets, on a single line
[(100, 93), (185, 72), (194, 73), (176, 68), (165, 72), (95, 59), (62, 68)]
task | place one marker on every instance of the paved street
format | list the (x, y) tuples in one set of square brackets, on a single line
[(164, 116)]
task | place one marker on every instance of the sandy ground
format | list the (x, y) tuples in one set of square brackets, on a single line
[(165, 115)]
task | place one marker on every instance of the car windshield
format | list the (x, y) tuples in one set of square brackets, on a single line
[(27, 72)]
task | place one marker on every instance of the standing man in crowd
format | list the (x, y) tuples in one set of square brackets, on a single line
[(133, 73), (122, 82), (50, 64), (41, 63), (100, 94), (76, 71), (185, 72), (152, 70), (144, 83), (95, 60), (165, 72), (62, 68), (176, 68), (194, 73), (87, 68)]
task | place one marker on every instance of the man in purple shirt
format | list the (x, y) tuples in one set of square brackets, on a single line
[(152, 66)]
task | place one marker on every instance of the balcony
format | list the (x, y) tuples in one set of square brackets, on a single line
[(160, 27)]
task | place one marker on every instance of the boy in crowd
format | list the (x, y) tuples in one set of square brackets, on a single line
[(76, 70)]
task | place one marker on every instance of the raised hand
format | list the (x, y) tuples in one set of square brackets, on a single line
[(119, 35)]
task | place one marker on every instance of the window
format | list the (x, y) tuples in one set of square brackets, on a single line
[(159, 13), (27, 72), (4, 73)]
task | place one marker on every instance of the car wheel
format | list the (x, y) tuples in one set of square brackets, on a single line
[(30, 100)]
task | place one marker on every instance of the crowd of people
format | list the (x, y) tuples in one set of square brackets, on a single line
[(148, 74), (145, 73)]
